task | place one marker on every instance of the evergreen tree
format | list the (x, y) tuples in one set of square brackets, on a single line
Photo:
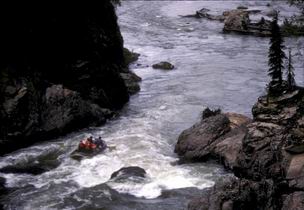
[(276, 57), (290, 74)]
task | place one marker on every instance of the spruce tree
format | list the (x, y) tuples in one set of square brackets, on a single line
[(290, 74), (276, 57)]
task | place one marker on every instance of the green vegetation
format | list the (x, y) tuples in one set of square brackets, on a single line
[(293, 27), (276, 58), (291, 83)]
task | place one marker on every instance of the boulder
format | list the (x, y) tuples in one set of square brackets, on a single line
[(197, 141), (129, 56), (34, 163), (242, 7), (217, 136), (66, 110), (131, 81), (127, 173), (163, 65), (236, 20)]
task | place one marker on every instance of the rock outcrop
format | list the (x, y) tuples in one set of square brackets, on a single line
[(218, 136), (238, 20), (62, 69), (269, 164)]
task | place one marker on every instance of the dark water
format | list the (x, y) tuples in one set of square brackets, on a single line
[(212, 69)]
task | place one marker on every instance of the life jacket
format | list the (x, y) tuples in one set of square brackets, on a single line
[(82, 144), (93, 146), (85, 144)]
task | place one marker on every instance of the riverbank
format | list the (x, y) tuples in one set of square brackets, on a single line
[(265, 155)]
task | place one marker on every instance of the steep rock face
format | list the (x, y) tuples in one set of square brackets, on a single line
[(60, 70), (269, 165)]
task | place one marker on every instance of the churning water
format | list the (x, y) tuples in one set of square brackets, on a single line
[(212, 69)]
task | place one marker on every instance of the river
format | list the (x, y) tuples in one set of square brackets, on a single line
[(226, 71)]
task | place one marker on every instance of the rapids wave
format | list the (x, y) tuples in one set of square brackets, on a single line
[(213, 69)]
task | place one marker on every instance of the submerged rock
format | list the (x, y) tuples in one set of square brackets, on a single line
[(34, 164), (128, 172), (163, 65), (242, 7)]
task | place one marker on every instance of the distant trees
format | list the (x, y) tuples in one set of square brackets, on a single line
[(276, 57)]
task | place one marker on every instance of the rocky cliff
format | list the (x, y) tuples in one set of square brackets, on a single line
[(265, 154), (61, 68)]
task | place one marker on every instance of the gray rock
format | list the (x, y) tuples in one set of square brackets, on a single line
[(129, 56), (236, 20), (65, 109), (197, 141), (242, 7), (163, 65), (217, 136), (131, 81), (127, 173), (268, 159)]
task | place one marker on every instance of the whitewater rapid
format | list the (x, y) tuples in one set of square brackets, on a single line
[(212, 69)]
